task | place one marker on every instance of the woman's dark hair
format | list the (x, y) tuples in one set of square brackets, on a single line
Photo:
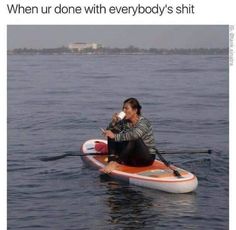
[(134, 104)]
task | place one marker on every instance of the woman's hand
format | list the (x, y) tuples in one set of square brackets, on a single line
[(115, 118), (109, 133)]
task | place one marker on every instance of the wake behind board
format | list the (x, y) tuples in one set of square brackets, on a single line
[(156, 176)]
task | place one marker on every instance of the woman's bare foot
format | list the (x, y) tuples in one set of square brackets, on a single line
[(110, 167)]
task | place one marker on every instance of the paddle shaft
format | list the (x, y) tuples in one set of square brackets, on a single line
[(209, 151), (74, 153)]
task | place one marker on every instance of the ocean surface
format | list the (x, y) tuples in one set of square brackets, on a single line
[(56, 102)]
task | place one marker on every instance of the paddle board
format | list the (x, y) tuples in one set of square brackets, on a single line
[(156, 176)]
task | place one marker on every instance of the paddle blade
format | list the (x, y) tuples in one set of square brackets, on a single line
[(54, 158), (71, 154)]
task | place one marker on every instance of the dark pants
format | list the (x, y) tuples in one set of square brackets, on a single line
[(132, 153)]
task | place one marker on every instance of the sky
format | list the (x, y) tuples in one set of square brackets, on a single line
[(142, 36)]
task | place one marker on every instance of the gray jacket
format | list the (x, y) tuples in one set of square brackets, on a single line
[(125, 131)]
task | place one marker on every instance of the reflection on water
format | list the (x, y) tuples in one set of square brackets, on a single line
[(138, 208)]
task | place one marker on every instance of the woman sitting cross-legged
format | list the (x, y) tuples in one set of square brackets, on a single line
[(130, 141)]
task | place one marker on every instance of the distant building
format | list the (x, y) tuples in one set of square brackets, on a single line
[(78, 46)]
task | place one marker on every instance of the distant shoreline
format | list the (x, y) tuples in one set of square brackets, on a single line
[(119, 51)]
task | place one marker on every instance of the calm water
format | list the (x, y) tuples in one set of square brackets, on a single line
[(56, 102)]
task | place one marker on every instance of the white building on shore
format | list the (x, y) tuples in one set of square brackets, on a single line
[(78, 46)]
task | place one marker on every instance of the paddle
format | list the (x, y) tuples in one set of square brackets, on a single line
[(176, 173), (70, 154), (74, 153)]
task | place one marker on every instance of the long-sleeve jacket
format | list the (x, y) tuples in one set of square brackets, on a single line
[(125, 131)]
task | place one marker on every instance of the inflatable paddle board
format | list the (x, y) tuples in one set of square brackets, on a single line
[(156, 176)]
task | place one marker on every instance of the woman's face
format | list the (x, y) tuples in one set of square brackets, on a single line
[(129, 111)]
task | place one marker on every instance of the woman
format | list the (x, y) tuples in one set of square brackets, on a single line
[(131, 140)]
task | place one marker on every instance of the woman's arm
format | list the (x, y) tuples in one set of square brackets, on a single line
[(115, 124), (141, 128)]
